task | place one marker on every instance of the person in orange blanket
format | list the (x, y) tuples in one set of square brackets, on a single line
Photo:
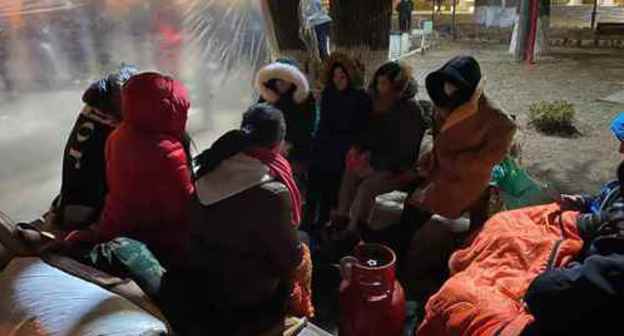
[(147, 169), (471, 135), (555, 269)]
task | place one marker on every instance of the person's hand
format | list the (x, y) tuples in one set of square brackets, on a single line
[(417, 198), (570, 202), (82, 236)]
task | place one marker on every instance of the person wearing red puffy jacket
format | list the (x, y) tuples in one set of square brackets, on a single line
[(147, 170)]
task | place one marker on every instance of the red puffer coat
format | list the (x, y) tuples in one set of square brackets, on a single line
[(149, 179)]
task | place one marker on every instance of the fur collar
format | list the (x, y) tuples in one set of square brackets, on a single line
[(231, 177), (286, 73)]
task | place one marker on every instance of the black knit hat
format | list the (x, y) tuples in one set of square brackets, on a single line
[(264, 124), (462, 71)]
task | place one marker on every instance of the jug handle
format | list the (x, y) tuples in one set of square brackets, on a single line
[(346, 264)]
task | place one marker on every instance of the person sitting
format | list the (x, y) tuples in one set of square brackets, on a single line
[(284, 86), (471, 135), (386, 150), (344, 111), (544, 270), (83, 184), (148, 173), (584, 297), (245, 268)]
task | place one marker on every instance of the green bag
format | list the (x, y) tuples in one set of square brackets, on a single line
[(517, 188)]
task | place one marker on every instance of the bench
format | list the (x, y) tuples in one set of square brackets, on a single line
[(610, 28)]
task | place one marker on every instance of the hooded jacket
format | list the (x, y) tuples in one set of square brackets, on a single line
[(148, 175), (467, 144), (83, 187), (342, 119), (298, 105), (394, 138)]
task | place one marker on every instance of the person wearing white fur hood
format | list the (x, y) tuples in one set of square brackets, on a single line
[(284, 86)]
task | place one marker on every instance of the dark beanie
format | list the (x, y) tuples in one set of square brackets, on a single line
[(263, 125), (462, 71), (100, 93)]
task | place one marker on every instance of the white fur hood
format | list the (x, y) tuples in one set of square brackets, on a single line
[(286, 73)]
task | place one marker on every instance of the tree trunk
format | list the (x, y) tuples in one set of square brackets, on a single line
[(285, 19), (360, 23)]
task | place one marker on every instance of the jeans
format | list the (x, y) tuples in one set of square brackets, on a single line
[(322, 34)]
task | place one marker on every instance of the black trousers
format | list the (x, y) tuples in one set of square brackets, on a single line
[(322, 197)]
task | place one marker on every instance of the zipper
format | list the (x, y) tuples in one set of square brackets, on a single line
[(553, 254)]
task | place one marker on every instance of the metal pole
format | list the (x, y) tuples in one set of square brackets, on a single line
[(593, 17), (454, 26), (532, 38)]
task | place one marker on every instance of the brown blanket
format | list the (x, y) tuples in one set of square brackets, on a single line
[(475, 137)]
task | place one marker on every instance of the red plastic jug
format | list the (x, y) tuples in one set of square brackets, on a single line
[(372, 301)]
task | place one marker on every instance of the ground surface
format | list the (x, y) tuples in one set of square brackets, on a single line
[(579, 76)]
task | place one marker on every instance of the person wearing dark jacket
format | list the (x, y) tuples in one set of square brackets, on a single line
[(344, 111), (83, 185), (405, 8), (387, 148), (284, 86), (586, 296), (244, 261)]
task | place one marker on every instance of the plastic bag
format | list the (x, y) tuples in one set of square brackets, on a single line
[(517, 188)]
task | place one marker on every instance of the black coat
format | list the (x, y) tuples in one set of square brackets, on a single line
[(584, 298), (343, 118)]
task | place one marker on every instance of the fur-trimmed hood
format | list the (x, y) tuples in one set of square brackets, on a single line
[(353, 68), (286, 73)]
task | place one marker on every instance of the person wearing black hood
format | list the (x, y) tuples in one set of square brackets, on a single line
[(83, 185), (471, 135), (344, 111), (386, 150)]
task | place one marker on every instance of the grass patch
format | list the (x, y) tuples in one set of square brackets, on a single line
[(554, 118)]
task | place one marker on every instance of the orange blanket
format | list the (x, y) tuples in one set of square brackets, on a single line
[(490, 277), (300, 303)]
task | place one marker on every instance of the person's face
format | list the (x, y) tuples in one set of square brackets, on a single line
[(340, 79), (282, 87), (449, 89), (384, 85)]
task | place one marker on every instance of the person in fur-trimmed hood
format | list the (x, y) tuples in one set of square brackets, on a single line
[(284, 86), (344, 111), (471, 135)]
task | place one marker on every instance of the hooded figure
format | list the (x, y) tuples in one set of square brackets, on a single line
[(345, 107), (284, 86), (387, 148), (147, 169), (210, 288), (471, 135), (83, 186)]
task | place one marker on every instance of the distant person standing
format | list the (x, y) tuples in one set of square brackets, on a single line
[(405, 8), (317, 19)]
